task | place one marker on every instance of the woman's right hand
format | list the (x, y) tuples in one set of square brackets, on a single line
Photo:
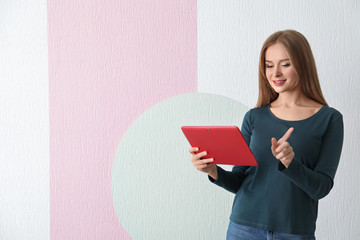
[(203, 164)]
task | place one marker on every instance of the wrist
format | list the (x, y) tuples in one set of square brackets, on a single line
[(213, 172)]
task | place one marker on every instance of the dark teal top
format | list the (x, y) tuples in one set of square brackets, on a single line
[(272, 197)]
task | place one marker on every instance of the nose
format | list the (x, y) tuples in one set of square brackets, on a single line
[(277, 71)]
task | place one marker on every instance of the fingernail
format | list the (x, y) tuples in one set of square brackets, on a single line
[(196, 149)]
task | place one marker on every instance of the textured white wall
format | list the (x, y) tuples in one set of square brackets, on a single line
[(24, 121), (230, 36)]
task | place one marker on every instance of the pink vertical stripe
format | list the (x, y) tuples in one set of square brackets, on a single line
[(108, 62)]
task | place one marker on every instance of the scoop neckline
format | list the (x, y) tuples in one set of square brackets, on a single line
[(301, 120)]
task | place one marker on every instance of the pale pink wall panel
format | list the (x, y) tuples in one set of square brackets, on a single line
[(108, 62)]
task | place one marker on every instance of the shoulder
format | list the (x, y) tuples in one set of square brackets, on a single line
[(255, 113), (332, 121), (329, 117), (258, 111), (332, 113)]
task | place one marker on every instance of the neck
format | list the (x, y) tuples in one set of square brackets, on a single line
[(289, 99)]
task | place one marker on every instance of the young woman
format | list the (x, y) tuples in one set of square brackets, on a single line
[(295, 137)]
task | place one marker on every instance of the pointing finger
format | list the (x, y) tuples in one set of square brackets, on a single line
[(286, 136)]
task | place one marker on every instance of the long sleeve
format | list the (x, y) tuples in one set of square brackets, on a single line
[(317, 183)]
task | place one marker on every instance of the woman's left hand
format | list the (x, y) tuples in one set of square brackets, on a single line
[(282, 150)]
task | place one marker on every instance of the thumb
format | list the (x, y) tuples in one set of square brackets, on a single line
[(274, 144)]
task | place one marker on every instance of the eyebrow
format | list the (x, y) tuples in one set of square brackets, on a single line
[(282, 60)]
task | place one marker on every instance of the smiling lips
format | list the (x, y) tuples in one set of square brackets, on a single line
[(279, 82)]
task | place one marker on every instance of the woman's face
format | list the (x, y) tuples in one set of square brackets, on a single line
[(279, 71)]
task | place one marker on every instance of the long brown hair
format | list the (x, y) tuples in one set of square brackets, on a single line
[(302, 60)]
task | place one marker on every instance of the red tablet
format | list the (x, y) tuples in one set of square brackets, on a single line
[(225, 144)]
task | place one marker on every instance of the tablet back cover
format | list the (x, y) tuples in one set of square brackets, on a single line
[(223, 143)]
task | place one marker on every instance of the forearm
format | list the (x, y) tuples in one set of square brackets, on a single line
[(315, 184), (318, 182), (230, 181)]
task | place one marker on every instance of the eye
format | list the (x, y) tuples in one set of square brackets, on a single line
[(286, 65), (268, 66)]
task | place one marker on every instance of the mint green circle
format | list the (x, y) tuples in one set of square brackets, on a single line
[(157, 193)]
